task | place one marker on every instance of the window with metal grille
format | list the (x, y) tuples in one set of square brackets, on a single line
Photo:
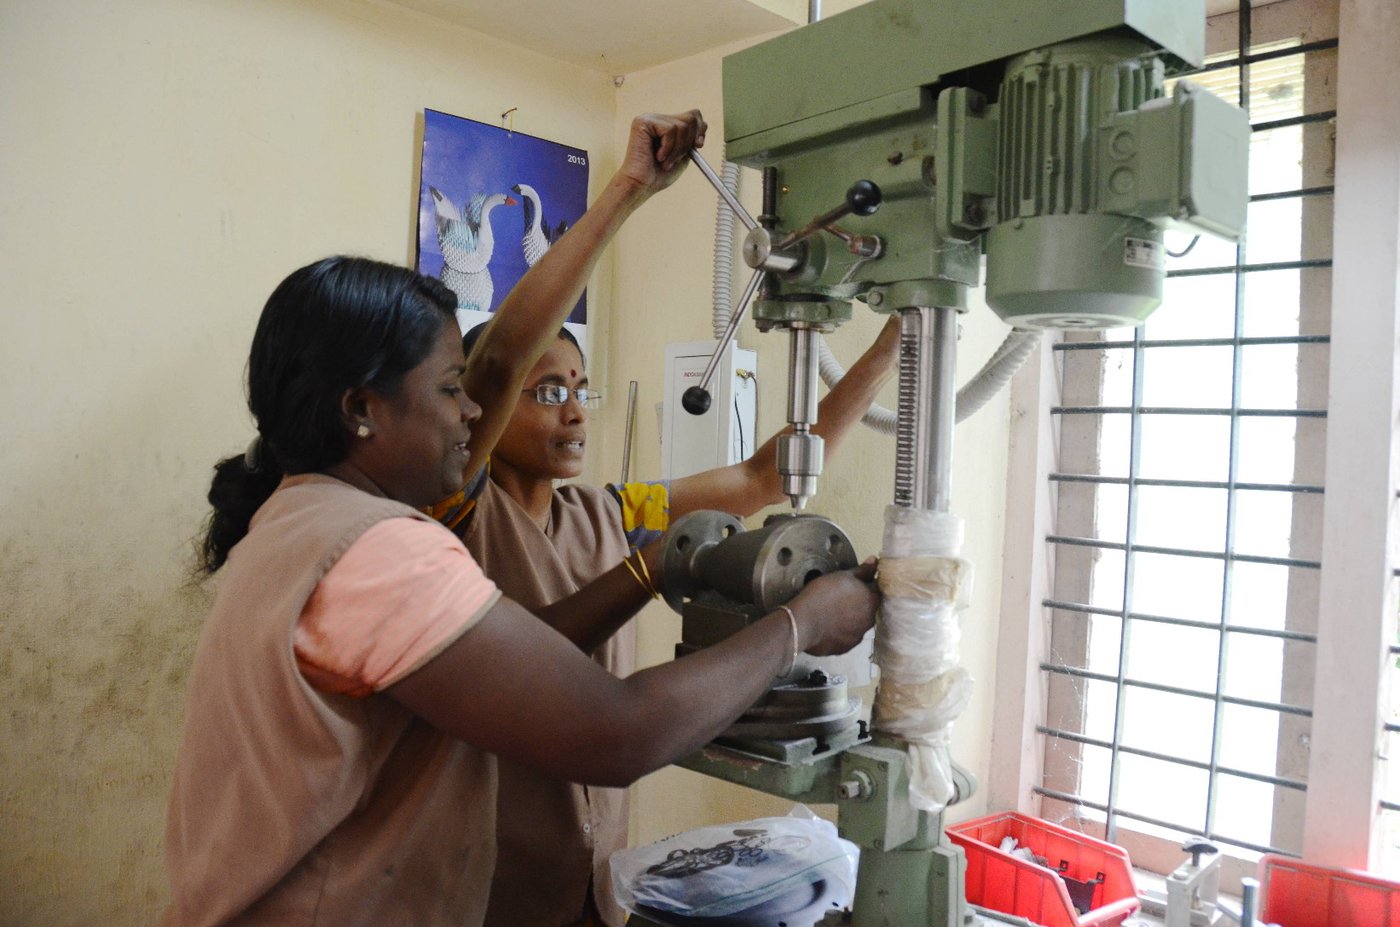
[(1390, 749), (1189, 492)]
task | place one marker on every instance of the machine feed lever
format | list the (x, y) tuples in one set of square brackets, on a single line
[(862, 199), (729, 199), (696, 399)]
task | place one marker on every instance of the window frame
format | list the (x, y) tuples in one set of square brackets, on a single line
[(1357, 596)]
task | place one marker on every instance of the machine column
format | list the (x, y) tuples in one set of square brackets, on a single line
[(928, 346)]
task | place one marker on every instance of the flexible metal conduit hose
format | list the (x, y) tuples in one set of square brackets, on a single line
[(721, 296), (989, 381)]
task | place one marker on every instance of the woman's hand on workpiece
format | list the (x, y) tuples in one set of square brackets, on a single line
[(834, 611), (658, 148)]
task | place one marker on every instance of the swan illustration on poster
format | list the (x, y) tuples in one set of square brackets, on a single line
[(491, 202)]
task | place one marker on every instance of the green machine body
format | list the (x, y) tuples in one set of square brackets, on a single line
[(1035, 135)]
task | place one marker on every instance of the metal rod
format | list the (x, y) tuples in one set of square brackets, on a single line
[(1060, 669), (1181, 410), (1193, 342), (1213, 836), (1249, 888), (1301, 637), (910, 437), (1125, 605), (735, 318), (1289, 52), (724, 193), (1305, 264), (1293, 194), (1100, 480), (1181, 552), (943, 397), (802, 378), (800, 453), (1326, 115), (1296, 785), (631, 426), (811, 228), (1227, 578), (928, 344)]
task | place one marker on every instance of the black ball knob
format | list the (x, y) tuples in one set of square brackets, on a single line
[(863, 197), (696, 401)]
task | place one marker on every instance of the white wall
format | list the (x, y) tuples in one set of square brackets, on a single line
[(162, 165)]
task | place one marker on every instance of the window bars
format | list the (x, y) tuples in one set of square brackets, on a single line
[(1169, 650)]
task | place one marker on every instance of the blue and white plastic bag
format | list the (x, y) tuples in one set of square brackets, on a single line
[(733, 868)]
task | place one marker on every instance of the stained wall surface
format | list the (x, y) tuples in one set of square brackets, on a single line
[(163, 164)]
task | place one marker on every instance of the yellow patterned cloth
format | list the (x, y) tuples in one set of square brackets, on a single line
[(646, 510), (453, 510), (646, 507)]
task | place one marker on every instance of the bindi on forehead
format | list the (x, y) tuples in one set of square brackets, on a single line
[(572, 372)]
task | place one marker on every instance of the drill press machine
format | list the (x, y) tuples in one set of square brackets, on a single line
[(902, 144)]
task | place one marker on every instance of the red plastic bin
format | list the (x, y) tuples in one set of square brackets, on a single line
[(1011, 885), (1298, 894)]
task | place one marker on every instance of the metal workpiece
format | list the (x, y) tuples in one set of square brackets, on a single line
[(685, 560), (808, 776), (721, 578), (709, 559), (817, 705), (928, 344)]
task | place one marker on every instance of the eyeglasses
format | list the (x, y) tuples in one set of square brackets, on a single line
[(553, 394)]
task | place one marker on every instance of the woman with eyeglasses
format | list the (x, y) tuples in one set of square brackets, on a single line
[(359, 674), (542, 542)]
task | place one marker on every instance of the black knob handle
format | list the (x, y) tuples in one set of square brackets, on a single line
[(1198, 848), (696, 401), (863, 197)]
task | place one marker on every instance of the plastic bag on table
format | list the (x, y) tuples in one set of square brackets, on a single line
[(727, 869)]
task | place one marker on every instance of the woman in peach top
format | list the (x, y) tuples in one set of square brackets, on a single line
[(358, 672)]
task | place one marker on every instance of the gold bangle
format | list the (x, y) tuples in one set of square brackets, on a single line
[(651, 586), (635, 575), (644, 583), (792, 623)]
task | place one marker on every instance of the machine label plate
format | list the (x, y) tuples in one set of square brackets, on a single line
[(1142, 252)]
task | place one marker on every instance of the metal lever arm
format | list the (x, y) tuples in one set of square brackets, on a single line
[(696, 399), (725, 194), (862, 199)]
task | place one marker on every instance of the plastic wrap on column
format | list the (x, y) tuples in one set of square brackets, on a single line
[(923, 687)]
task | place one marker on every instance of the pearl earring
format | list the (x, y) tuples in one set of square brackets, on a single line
[(362, 431)]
